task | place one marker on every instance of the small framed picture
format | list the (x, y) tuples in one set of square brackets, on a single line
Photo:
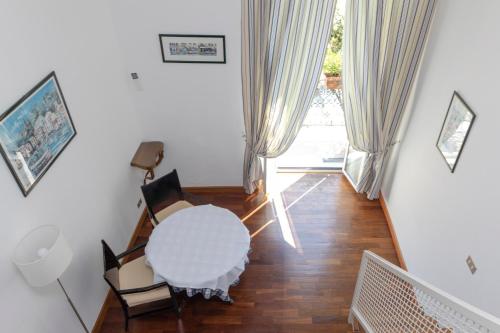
[(193, 48), (35, 131), (456, 127)]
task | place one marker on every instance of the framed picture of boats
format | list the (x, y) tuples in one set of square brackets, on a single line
[(209, 49), (35, 131)]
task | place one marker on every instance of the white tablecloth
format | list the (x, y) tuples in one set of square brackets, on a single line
[(200, 248)]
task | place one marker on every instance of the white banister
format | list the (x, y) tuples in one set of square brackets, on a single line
[(388, 299)]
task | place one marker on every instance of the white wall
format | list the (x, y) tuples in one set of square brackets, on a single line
[(90, 191), (441, 218), (195, 109)]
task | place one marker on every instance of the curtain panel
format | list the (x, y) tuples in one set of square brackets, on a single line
[(283, 48), (383, 44)]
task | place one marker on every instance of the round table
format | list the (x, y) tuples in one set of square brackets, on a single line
[(203, 249)]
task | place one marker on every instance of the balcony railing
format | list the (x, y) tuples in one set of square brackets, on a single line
[(322, 140)]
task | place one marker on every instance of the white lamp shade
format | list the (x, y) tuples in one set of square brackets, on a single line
[(43, 255)]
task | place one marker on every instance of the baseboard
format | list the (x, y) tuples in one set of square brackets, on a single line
[(393, 233), (107, 301)]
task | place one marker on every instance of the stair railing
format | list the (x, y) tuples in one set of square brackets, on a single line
[(388, 299)]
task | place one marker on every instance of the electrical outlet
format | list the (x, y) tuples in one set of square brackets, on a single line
[(471, 265), (139, 203)]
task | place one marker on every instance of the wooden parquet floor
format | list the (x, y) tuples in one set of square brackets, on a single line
[(307, 247)]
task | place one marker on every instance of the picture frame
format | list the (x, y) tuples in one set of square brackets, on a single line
[(35, 131), (354, 162), (178, 48), (455, 130)]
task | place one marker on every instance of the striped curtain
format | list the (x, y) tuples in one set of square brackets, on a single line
[(383, 43), (283, 49)]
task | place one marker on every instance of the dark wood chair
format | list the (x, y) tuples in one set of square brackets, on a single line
[(163, 197), (132, 283)]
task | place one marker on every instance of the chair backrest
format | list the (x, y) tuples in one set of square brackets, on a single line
[(160, 190), (111, 266)]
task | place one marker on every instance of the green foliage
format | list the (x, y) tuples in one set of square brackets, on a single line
[(333, 59), (333, 63), (337, 32)]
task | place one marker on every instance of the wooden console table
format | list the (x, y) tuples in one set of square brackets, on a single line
[(147, 157)]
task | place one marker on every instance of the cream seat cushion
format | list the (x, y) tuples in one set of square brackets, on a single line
[(165, 212), (136, 274)]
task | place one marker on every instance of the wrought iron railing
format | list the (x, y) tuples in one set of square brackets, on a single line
[(326, 108)]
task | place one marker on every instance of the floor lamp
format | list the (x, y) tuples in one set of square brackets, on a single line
[(42, 256)]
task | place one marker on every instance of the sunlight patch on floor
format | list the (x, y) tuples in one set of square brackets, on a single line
[(259, 207), (284, 221), (305, 193), (262, 228), (280, 183)]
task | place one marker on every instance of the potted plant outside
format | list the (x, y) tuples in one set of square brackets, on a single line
[(332, 68)]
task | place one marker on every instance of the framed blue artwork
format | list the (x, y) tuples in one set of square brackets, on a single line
[(35, 131)]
